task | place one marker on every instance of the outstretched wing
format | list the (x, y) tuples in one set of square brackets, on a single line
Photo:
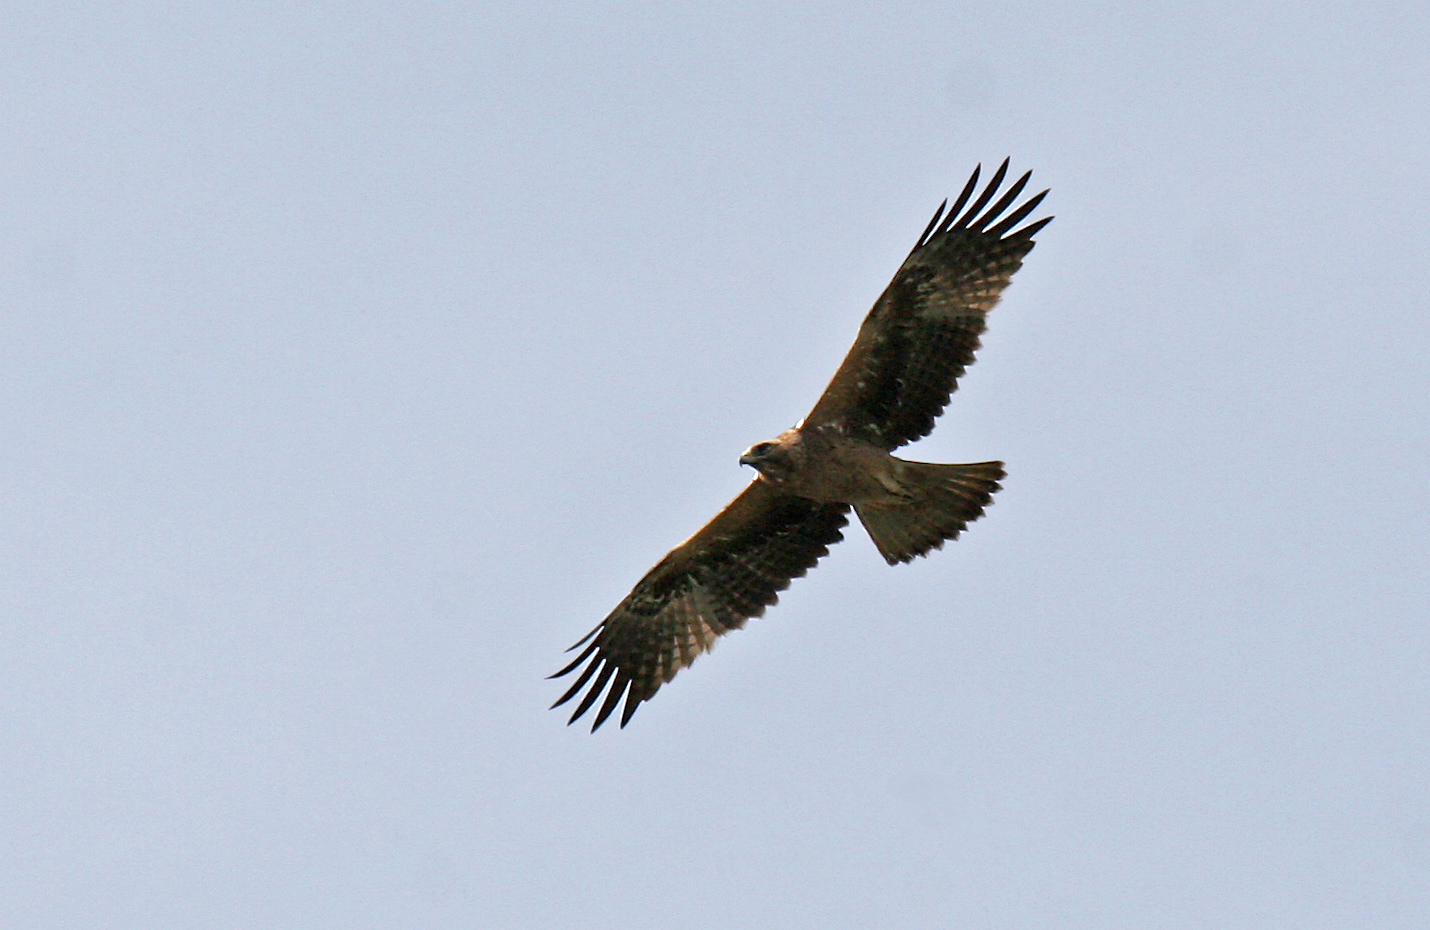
[(712, 583), (924, 329)]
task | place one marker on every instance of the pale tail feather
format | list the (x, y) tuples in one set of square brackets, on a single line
[(944, 500)]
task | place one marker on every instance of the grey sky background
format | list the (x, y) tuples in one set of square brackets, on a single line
[(355, 359)]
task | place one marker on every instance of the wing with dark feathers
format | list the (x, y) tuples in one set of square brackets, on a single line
[(924, 329), (712, 583)]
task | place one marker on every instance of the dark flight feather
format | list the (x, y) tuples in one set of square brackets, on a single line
[(725, 574), (924, 329)]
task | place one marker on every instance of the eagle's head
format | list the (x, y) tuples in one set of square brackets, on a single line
[(775, 460)]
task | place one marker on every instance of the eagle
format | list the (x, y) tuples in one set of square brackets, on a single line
[(912, 348)]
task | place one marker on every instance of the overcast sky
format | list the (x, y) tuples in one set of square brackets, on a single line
[(356, 359)]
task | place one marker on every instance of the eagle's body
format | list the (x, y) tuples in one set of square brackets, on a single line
[(907, 507), (825, 464), (913, 346)]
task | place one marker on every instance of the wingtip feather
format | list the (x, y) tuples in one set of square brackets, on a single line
[(1031, 230), (578, 683), (933, 223), (1016, 217), (962, 199), (613, 697), (574, 662), (577, 645), (632, 702), (594, 692), (994, 211), (987, 195)]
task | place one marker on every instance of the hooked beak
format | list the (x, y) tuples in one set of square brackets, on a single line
[(749, 458)]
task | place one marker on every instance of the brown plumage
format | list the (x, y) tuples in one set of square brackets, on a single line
[(911, 349)]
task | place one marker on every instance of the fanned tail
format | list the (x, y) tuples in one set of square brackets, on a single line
[(943, 500)]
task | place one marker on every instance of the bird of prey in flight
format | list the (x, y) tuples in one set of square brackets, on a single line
[(906, 361)]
